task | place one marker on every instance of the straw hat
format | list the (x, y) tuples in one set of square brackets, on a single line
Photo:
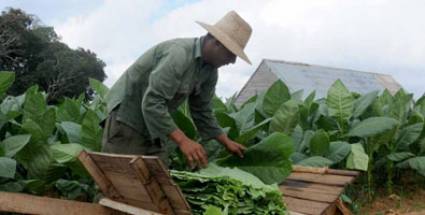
[(232, 31)]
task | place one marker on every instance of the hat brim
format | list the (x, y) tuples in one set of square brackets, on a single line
[(226, 41)]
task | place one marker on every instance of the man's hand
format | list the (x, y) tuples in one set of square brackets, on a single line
[(195, 154), (193, 151), (231, 146)]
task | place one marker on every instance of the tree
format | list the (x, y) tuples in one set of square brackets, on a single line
[(37, 56)]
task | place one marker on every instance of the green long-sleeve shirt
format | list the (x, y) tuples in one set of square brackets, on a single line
[(158, 82)]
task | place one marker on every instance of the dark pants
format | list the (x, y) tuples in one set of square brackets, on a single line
[(120, 138)]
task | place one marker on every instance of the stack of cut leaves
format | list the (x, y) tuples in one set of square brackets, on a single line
[(217, 190), (241, 186)]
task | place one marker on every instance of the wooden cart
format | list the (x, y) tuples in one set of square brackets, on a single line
[(142, 185)]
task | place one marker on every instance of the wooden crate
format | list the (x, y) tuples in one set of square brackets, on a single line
[(316, 190), (142, 185), (138, 181)]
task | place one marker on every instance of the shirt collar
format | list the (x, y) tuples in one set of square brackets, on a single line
[(198, 47)]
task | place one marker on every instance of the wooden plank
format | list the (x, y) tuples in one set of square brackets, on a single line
[(125, 208), (29, 204), (98, 176), (140, 180), (324, 170), (141, 170), (336, 190), (343, 172), (311, 193), (305, 206), (338, 180), (128, 187)]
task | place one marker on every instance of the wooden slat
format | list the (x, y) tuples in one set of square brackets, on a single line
[(323, 170), (337, 180), (319, 193), (141, 180), (343, 172), (125, 208), (29, 204), (299, 185), (98, 176), (305, 206), (128, 187)]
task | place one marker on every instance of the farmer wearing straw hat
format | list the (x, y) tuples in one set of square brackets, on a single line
[(140, 103)]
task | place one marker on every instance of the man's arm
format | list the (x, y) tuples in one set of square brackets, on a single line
[(163, 83), (202, 113)]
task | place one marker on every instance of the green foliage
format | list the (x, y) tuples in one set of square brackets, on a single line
[(218, 190), (37, 57), (268, 159)]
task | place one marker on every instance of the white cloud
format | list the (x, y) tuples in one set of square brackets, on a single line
[(372, 35)]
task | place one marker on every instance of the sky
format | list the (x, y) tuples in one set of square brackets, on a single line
[(382, 36)]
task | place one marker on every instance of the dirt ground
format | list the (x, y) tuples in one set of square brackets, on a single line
[(408, 197), (411, 203)]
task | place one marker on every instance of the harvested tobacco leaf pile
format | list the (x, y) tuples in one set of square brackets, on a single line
[(217, 190)]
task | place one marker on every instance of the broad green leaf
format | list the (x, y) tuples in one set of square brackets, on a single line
[(34, 105), (14, 144), (226, 121), (399, 107), (72, 131), (71, 189), (420, 105), (357, 159), (245, 117), (286, 118), (373, 126), (277, 94), (235, 173), (340, 102), (33, 128), (63, 153), (319, 143), (69, 110), (362, 103), (338, 151), (297, 157), (316, 161), (218, 105), (297, 95), (36, 159), (327, 123), (11, 106), (185, 124), (47, 122), (259, 107), (400, 156), (7, 167), (91, 132), (250, 133), (408, 135), (310, 99), (253, 99), (306, 141), (99, 87), (268, 160), (6, 80), (230, 103), (416, 163)]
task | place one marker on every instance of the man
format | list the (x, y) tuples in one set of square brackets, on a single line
[(141, 101)]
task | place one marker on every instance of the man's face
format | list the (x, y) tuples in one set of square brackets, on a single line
[(221, 55)]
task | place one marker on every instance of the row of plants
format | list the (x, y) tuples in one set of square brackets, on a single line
[(378, 133), (41, 142)]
